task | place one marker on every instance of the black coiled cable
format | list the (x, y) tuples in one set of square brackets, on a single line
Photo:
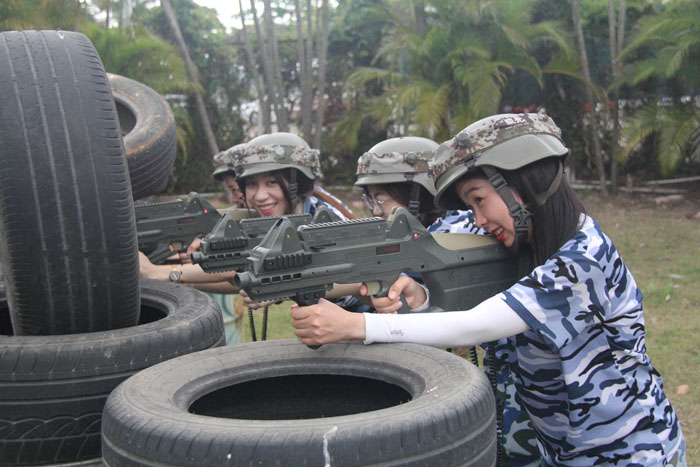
[(264, 323), (252, 325), (491, 374)]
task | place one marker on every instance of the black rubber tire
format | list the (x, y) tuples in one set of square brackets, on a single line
[(449, 420), (53, 388), (148, 129), (67, 231)]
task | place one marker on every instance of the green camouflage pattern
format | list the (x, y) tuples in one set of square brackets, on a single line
[(242, 154), (269, 152), (506, 141), (486, 133), (397, 160), (393, 162)]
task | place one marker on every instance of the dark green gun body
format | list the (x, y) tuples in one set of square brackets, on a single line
[(227, 246), (165, 228), (304, 262)]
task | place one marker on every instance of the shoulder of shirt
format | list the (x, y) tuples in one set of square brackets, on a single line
[(584, 241)]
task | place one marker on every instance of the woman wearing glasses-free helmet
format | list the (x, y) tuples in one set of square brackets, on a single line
[(574, 320), (277, 173)]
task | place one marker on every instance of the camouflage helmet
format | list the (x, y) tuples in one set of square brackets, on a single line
[(396, 160), (224, 163), (273, 151), (505, 141)]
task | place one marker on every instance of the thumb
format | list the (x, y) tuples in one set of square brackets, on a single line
[(363, 289), (398, 287)]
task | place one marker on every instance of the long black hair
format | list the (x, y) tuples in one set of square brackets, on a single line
[(553, 223)]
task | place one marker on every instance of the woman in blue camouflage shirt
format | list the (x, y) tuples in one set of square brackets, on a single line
[(394, 173), (574, 320)]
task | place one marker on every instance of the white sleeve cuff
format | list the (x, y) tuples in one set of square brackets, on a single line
[(425, 304)]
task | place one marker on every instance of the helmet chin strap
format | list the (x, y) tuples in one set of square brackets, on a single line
[(520, 213), (293, 189), (414, 200)]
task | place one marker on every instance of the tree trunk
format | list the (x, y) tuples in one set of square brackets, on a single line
[(419, 13), (322, 44), (192, 75), (127, 10), (617, 39), (273, 56), (303, 74), (109, 8), (309, 91), (263, 101), (267, 65), (597, 153)]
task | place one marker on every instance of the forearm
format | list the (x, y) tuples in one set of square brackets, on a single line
[(488, 321), (190, 273)]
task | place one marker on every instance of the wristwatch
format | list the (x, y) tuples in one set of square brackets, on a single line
[(176, 273)]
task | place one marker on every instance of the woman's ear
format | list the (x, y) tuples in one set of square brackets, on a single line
[(516, 195)]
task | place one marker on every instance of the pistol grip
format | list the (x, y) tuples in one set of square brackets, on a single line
[(309, 298)]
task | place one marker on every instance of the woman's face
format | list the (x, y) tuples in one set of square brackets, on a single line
[(490, 210), (380, 201), (234, 189), (264, 194)]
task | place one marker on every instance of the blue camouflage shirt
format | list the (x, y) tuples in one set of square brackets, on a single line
[(582, 371), (455, 221), (520, 446)]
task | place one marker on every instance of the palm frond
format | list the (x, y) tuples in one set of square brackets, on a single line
[(677, 131)]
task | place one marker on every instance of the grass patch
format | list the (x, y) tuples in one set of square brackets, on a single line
[(661, 247)]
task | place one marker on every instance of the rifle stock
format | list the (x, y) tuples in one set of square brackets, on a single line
[(167, 227), (304, 262)]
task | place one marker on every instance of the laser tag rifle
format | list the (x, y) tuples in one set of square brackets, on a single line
[(227, 246), (302, 263), (168, 227)]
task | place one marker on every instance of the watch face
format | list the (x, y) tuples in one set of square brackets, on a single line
[(174, 276)]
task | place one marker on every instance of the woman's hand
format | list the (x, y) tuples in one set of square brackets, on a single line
[(413, 293), (250, 303), (194, 246), (326, 322)]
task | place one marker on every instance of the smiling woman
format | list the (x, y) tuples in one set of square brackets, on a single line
[(573, 320), (277, 174)]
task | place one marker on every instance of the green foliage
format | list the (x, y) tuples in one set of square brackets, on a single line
[(223, 88), (674, 34), (457, 69), (676, 129), (140, 56), (17, 15)]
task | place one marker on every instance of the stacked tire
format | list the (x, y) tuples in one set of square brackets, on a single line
[(281, 403), (75, 320)]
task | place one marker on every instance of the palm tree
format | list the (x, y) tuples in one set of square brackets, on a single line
[(674, 34), (143, 57), (456, 72)]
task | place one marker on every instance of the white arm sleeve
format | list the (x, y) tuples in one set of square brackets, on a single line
[(492, 319)]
